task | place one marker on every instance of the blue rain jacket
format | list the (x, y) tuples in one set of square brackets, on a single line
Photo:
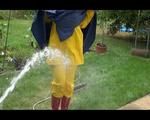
[(66, 21)]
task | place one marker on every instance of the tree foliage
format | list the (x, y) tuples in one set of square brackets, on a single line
[(128, 17)]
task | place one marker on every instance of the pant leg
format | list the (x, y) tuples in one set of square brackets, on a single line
[(58, 83), (69, 82)]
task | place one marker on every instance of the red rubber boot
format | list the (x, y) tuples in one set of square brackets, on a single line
[(55, 103), (65, 103)]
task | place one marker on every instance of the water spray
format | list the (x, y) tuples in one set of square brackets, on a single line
[(36, 59)]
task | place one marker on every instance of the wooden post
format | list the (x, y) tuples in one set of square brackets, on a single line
[(5, 47), (137, 27)]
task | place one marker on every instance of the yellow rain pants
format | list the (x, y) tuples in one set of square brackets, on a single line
[(63, 76)]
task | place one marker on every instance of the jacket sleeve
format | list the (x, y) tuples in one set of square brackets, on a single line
[(87, 19), (89, 33), (41, 29)]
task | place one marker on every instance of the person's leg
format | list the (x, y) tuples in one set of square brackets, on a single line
[(69, 86), (57, 86)]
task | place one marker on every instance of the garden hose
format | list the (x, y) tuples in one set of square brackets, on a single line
[(41, 101)]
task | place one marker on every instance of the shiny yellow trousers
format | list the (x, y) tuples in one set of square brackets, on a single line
[(63, 82)]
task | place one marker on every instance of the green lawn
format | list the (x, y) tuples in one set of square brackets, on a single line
[(113, 79), (18, 44)]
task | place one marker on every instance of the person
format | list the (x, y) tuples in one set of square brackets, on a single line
[(72, 32)]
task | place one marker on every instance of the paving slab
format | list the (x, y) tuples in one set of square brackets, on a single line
[(140, 104)]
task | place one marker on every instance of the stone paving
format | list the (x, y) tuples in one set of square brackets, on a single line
[(140, 104)]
